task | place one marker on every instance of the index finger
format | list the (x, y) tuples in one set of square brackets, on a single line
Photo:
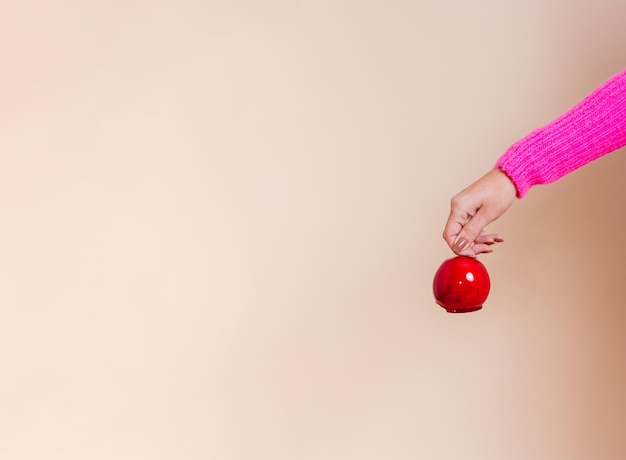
[(456, 221)]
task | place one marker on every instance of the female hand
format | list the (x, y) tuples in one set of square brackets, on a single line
[(473, 209)]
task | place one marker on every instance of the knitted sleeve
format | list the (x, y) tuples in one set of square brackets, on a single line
[(594, 127)]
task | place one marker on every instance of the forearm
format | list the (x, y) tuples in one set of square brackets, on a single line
[(594, 127)]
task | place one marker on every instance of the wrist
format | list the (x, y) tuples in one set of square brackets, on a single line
[(505, 183)]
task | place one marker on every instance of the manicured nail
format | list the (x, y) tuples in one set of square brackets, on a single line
[(459, 245)]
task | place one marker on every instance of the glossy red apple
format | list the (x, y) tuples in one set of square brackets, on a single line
[(461, 285)]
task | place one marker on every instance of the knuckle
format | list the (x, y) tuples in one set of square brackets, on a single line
[(457, 200)]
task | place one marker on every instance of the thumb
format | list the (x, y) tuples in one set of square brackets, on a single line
[(470, 231)]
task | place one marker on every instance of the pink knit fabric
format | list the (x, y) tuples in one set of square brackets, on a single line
[(594, 127)]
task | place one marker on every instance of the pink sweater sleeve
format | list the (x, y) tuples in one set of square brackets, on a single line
[(594, 127)]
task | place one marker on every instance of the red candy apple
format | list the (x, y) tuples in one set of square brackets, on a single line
[(461, 285)]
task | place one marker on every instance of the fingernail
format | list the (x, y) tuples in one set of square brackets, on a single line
[(459, 245)]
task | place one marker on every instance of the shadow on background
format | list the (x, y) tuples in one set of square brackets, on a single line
[(566, 255)]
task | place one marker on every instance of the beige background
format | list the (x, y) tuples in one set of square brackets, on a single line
[(221, 219)]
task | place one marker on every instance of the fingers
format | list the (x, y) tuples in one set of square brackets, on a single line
[(472, 240), (488, 239), (469, 233), (483, 243), (458, 218)]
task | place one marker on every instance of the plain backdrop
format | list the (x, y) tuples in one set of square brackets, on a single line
[(221, 220)]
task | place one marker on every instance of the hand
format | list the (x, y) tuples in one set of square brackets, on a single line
[(473, 209)]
